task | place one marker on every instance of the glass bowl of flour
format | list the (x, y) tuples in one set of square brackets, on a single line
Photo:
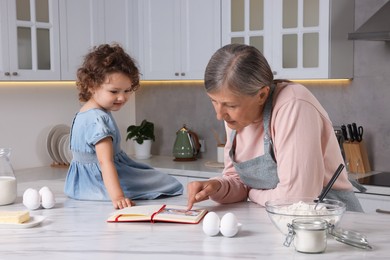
[(283, 211)]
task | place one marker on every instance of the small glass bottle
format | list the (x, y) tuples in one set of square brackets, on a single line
[(8, 190), (309, 235)]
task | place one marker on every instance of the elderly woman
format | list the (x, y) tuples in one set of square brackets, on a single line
[(281, 142)]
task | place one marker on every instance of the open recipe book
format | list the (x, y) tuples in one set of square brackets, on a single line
[(154, 213)]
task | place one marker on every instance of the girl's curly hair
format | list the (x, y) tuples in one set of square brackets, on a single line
[(102, 61)]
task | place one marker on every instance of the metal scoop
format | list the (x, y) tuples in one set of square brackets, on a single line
[(329, 185)]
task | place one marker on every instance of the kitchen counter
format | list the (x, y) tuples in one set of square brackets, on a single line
[(194, 169), (78, 230), (198, 169), (377, 187)]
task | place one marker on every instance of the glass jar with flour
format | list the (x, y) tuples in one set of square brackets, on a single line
[(309, 235)]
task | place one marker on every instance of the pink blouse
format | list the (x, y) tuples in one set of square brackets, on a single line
[(305, 146)]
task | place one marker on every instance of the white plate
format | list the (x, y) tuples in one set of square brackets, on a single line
[(59, 131), (34, 221), (67, 152), (48, 142), (61, 149)]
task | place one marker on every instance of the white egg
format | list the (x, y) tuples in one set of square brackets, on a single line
[(229, 225), (31, 199), (47, 197), (44, 188), (211, 224)]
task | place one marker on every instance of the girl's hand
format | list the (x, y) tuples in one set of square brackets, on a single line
[(122, 203)]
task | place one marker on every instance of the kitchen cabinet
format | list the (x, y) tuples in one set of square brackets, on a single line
[(87, 23), (372, 202), (184, 172), (29, 40), (80, 30), (178, 37), (300, 39)]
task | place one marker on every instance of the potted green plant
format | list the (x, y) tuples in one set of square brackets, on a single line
[(143, 136)]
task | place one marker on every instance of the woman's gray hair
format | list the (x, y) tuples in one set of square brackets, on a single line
[(241, 68)]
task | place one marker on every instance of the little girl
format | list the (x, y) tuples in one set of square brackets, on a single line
[(100, 170)]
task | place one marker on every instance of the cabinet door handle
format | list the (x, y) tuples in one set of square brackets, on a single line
[(7, 74), (14, 73), (383, 211), (176, 73), (183, 73), (275, 72)]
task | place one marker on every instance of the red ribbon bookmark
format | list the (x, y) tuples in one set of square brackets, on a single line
[(155, 213)]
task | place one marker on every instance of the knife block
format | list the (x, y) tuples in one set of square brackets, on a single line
[(356, 157)]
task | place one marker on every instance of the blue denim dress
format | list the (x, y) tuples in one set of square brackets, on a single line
[(261, 172), (84, 179)]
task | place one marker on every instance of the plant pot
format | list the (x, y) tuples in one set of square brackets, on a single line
[(142, 151)]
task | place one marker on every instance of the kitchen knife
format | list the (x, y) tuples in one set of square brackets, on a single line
[(360, 133), (350, 132), (355, 132), (344, 133)]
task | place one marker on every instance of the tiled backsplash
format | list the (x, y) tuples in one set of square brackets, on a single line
[(169, 106)]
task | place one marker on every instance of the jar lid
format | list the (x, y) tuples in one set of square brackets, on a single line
[(351, 238), (309, 224)]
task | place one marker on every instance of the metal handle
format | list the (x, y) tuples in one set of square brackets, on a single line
[(14, 73), (7, 74), (176, 73), (383, 211), (183, 74)]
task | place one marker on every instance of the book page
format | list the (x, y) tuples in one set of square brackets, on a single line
[(180, 214), (134, 213)]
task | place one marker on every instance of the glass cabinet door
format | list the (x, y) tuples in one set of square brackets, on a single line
[(247, 22), (302, 29), (294, 35), (33, 33), (301, 37), (33, 39)]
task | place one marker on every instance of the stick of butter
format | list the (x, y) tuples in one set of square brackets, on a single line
[(17, 217)]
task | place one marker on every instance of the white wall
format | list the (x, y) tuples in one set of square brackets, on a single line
[(29, 111)]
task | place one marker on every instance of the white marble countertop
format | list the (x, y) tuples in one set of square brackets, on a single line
[(78, 230)]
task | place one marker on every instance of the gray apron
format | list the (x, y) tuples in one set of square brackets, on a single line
[(261, 172)]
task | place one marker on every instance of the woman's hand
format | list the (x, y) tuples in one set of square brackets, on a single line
[(122, 203), (201, 190)]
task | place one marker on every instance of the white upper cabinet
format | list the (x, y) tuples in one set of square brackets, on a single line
[(29, 40), (87, 23), (301, 39), (80, 30), (178, 37)]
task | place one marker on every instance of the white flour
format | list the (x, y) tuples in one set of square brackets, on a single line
[(302, 208), (299, 210)]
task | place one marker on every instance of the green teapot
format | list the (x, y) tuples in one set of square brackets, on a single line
[(186, 146)]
